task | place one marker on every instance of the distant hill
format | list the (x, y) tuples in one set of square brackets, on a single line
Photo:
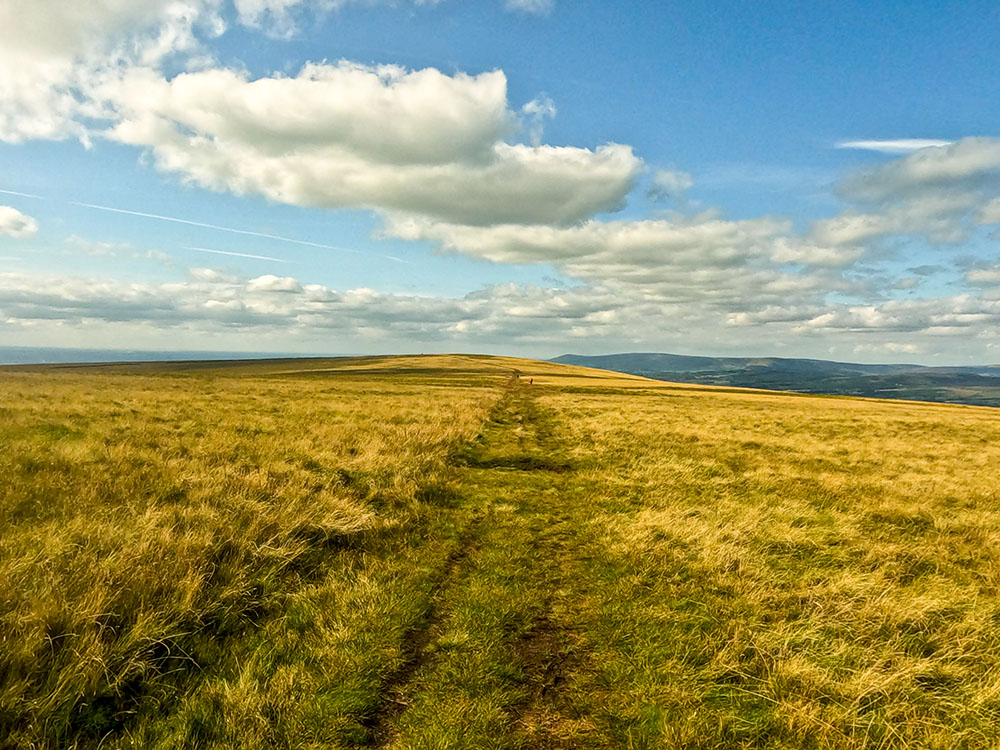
[(977, 385)]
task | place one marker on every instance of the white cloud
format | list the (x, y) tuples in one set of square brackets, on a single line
[(897, 146), (706, 240), (53, 53), (704, 264), (435, 153), (695, 242), (538, 7), (939, 193), (956, 165), (56, 57), (535, 113), (211, 275), (892, 347), (15, 224), (965, 316), (280, 311), (939, 216), (276, 17), (987, 276), (355, 136), (669, 183), (211, 301), (271, 283), (382, 113)]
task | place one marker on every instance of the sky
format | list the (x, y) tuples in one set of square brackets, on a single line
[(527, 177)]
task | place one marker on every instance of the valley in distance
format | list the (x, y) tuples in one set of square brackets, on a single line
[(460, 551)]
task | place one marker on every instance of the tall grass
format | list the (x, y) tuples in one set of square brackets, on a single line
[(147, 521), (786, 571), (425, 553)]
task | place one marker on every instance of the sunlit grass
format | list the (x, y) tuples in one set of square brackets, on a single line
[(422, 552)]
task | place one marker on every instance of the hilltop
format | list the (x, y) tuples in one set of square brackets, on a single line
[(979, 385), (435, 551)]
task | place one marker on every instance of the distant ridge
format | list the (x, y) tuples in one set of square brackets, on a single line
[(977, 385), (37, 355)]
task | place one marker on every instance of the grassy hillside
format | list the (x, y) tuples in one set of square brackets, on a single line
[(976, 386), (426, 552)]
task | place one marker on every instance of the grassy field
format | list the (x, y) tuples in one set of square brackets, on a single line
[(426, 552)]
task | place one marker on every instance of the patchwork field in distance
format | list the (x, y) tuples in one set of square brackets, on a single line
[(429, 552)]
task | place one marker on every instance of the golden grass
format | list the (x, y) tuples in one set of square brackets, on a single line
[(414, 552), (144, 518), (798, 571)]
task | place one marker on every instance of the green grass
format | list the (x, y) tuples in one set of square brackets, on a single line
[(423, 552)]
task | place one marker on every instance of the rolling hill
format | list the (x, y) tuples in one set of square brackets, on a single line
[(961, 385)]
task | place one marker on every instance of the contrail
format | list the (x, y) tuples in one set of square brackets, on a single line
[(897, 146), (216, 226), (23, 195), (238, 255)]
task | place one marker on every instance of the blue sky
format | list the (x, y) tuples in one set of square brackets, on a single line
[(518, 176)]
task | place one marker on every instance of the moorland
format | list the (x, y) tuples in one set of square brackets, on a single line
[(975, 385), (482, 552)]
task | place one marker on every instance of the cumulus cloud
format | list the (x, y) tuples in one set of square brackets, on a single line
[(56, 58), (356, 136), (271, 283), (935, 215), (986, 275), (334, 136), (644, 243), (438, 156), (52, 54), (698, 241), (959, 315), (938, 192), (214, 301), (375, 113), (210, 305), (989, 213), (15, 224), (705, 264), (959, 164)]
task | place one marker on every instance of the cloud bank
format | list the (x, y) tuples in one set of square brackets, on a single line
[(448, 159)]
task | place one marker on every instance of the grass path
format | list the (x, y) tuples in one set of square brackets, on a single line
[(501, 640)]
